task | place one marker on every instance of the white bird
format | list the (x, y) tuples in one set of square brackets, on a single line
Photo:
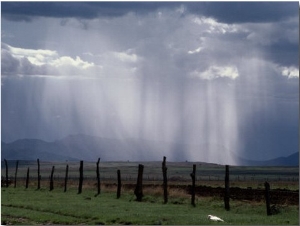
[(214, 218)]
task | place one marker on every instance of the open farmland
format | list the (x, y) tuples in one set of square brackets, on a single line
[(177, 171), (247, 205)]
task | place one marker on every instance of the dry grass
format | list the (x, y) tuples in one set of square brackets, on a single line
[(154, 187), (155, 191), (178, 193)]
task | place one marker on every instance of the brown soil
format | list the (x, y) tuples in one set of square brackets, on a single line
[(277, 196)]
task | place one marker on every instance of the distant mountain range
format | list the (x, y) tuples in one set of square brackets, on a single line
[(89, 148), (291, 160)]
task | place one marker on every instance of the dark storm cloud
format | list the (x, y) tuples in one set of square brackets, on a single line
[(242, 12), (223, 76), (25, 10), (227, 12), (283, 53), (84, 10)]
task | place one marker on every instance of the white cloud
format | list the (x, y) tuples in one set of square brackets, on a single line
[(195, 51), (115, 63), (214, 72), (290, 72), (126, 57), (21, 61), (175, 43), (212, 26), (20, 52), (9, 64), (69, 61)]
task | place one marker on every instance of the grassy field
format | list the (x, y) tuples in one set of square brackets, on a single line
[(31, 206), (21, 206)]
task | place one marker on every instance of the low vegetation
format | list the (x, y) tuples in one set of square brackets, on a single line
[(31, 206), (41, 206)]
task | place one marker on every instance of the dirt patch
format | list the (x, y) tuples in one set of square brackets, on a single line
[(278, 196), (11, 220)]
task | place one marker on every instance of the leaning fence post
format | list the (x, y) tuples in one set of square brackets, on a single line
[(119, 184), (27, 178), (227, 195), (98, 177), (66, 177), (80, 177), (267, 197), (17, 165), (139, 184), (193, 176), (6, 173), (165, 180), (39, 176), (51, 179)]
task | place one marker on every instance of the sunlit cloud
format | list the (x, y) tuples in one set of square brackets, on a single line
[(195, 51), (212, 26), (39, 62), (39, 54), (214, 72), (290, 72), (126, 57), (69, 61)]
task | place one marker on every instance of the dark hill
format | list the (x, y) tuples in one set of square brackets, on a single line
[(90, 148)]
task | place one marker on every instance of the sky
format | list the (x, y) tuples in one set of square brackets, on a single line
[(221, 77)]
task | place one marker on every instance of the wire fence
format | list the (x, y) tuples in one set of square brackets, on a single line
[(177, 172)]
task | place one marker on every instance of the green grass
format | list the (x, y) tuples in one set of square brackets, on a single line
[(21, 206)]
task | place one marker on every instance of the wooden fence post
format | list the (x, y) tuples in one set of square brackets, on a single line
[(98, 178), (267, 197), (119, 184), (226, 195), (66, 177), (6, 173), (193, 176), (139, 184), (51, 179), (80, 177), (39, 176), (17, 165), (27, 178), (165, 180)]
